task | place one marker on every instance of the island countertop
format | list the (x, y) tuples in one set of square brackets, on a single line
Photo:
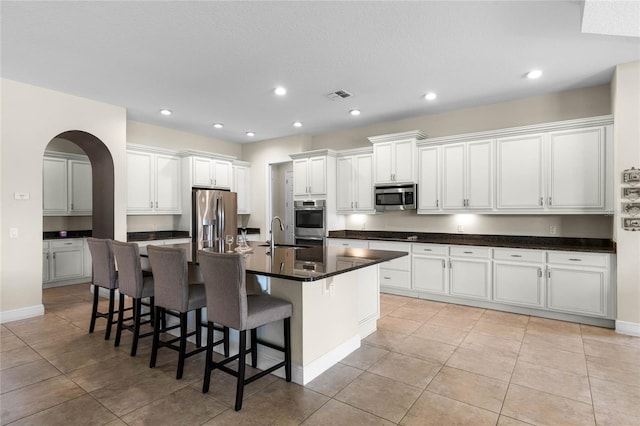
[(312, 263)]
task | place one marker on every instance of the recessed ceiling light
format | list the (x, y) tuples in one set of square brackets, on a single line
[(165, 111), (430, 96), (297, 124), (218, 125), (533, 74), (354, 112), (250, 134), (280, 91)]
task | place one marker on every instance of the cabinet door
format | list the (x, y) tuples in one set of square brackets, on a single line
[(453, 179), (404, 161), (479, 175), (345, 184), (520, 178), (430, 274), (241, 187), (67, 263), (54, 186), (80, 187), (580, 291), (470, 278), (139, 182), (317, 175), (577, 169), (167, 179), (222, 174), (363, 182), (382, 157), (428, 178), (300, 171), (202, 172), (519, 284)]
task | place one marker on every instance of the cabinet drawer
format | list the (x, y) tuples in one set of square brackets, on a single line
[(394, 278), (402, 263), (517, 255), (470, 251), (600, 260), (430, 249), (338, 242), (65, 243)]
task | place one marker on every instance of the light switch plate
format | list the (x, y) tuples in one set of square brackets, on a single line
[(21, 195), (13, 232)]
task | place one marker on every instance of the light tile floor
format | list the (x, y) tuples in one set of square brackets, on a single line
[(428, 363)]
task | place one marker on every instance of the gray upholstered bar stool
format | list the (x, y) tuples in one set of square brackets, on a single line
[(228, 304), (175, 295), (136, 284), (104, 275)]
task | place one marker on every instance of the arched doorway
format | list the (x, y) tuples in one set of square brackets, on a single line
[(102, 180)]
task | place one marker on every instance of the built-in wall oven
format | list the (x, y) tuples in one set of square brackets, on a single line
[(310, 222)]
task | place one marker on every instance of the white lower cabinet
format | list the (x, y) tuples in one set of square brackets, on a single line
[(518, 277), (63, 260), (470, 278), (397, 272), (429, 268)]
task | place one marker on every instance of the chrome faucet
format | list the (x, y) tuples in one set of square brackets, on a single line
[(272, 244)]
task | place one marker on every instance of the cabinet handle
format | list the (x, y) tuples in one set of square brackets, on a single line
[(516, 255), (549, 200), (387, 278), (54, 255), (437, 203), (345, 244), (548, 273), (67, 244), (467, 252), (352, 204), (156, 204), (71, 206), (444, 264), (356, 204), (540, 272), (151, 204), (573, 259), (210, 181), (449, 264), (427, 250), (541, 201)]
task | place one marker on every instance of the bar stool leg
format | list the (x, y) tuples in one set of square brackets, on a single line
[(241, 364), (225, 344), (199, 327), (254, 347), (156, 339), (137, 313), (120, 320), (183, 344), (112, 295), (94, 308), (207, 368), (287, 349)]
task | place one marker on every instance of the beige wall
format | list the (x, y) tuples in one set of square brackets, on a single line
[(31, 117), (626, 109)]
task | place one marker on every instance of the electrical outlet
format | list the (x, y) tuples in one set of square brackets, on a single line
[(13, 232), (553, 230)]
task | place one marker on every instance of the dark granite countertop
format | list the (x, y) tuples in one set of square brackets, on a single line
[(595, 245), (55, 235), (309, 263), (167, 235)]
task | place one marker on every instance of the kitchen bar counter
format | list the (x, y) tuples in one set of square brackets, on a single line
[(594, 245)]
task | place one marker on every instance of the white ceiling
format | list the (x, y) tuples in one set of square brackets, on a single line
[(215, 61)]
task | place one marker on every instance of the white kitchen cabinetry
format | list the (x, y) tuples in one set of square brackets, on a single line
[(153, 182), (467, 181), (354, 183), (577, 169), (579, 283), (211, 172), (66, 185), (520, 179), (311, 172), (518, 277), (397, 272), (429, 181), (470, 272), (429, 268), (63, 261), (241, 179), (394, 157), (347, 243)]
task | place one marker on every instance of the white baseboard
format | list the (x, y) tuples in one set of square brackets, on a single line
[(22, 313), (630, 328)]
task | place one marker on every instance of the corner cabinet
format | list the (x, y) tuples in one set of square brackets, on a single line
[(354, 181), (66, 185), (65, 261), (240, 185), (153, 182), (311, 173), (394, 157)]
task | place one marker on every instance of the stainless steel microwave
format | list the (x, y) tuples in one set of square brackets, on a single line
[(396, 197)]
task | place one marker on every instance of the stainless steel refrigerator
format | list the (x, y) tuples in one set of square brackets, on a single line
[(214, 216)]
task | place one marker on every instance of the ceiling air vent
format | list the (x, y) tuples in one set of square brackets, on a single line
[(339, 94)]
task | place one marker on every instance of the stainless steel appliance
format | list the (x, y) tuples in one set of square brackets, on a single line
[(310, 221), (396, 197), (214, 216)]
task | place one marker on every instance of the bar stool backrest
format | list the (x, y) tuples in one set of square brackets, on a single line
[(130, 280), (225, 285), (171, 286), (103, 263)]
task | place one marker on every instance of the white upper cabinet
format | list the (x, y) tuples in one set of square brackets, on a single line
[(211, 172), (467, 181), (577, 169), (354, 183), (429, 178), (153, 183), (66, 185), (520, 172), (311, 171), (241, 172), (394, 157)]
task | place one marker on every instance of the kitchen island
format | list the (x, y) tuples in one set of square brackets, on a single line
[(335, 296)]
